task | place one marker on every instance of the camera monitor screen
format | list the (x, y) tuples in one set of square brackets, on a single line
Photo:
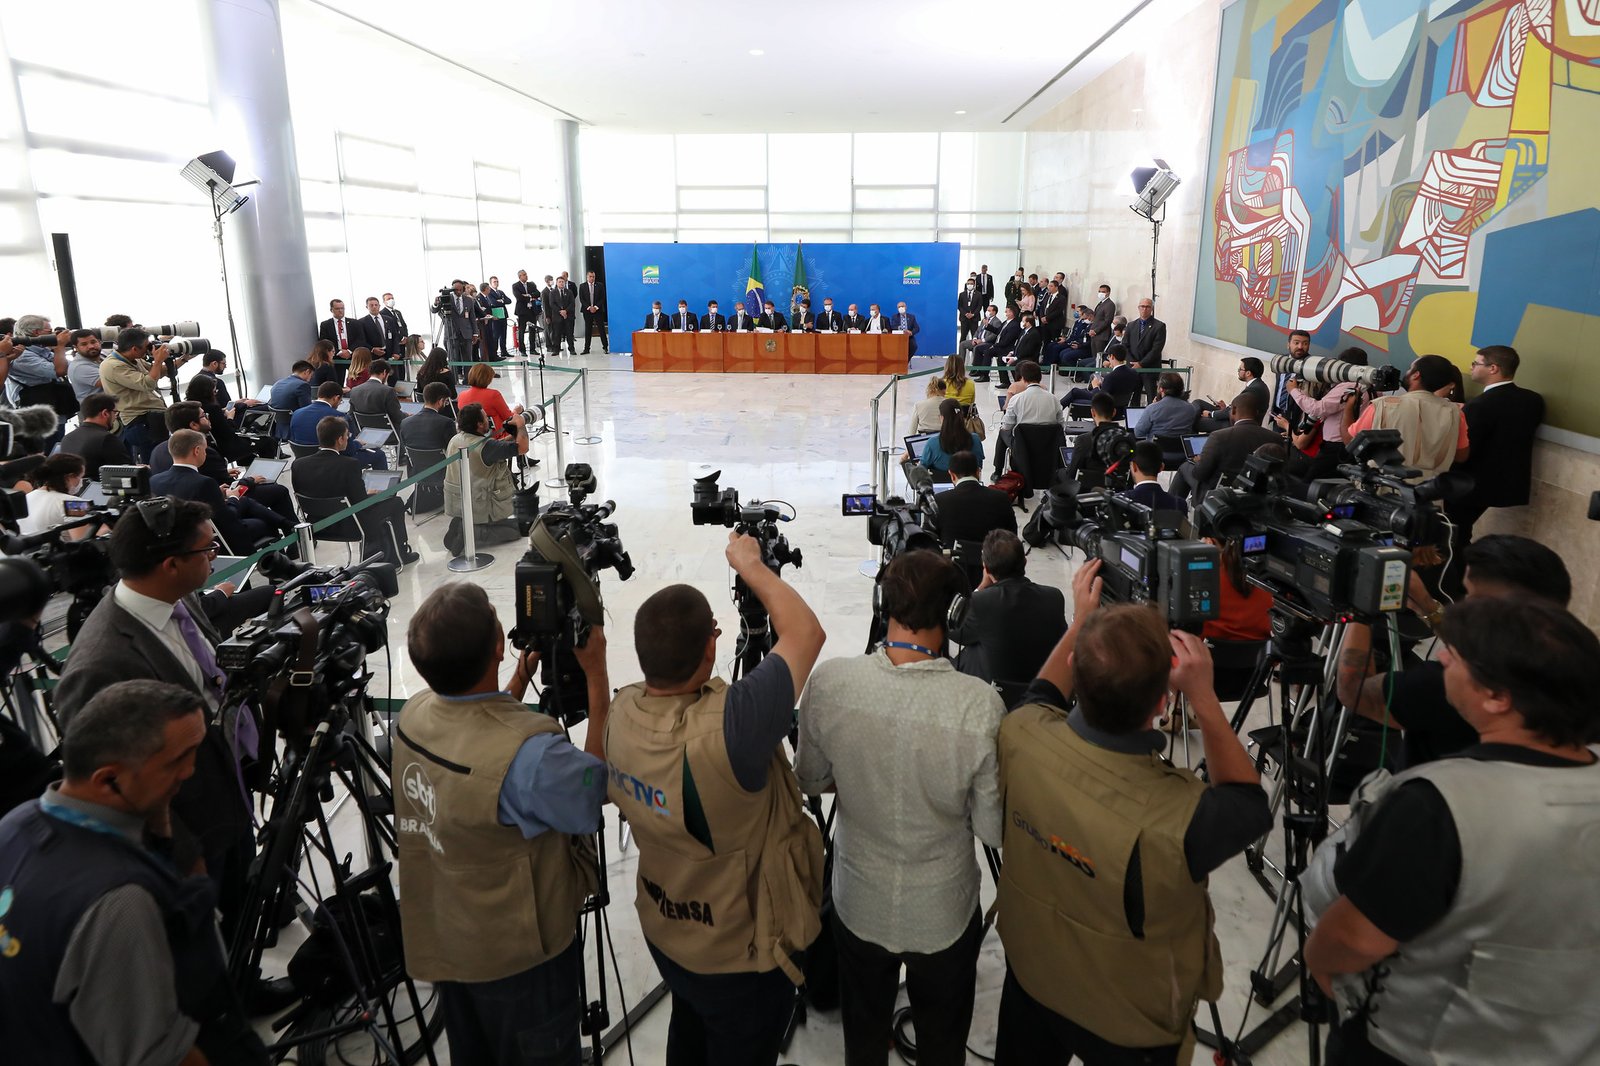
[(856, 503), (94, 492), (267, 469), (374, 438), (944, 487), (380, 480), (1194, 444), (915, 444), (1066, 454), (76, 508)]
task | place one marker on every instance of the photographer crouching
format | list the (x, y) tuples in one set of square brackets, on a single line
[(493, 807), (730, 867), (1103, 907), (1457, 917), (489, 481), (109, 950), (908, 743)]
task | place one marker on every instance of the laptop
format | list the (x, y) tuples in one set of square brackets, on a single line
[(408, 409), (266, 469), (1136, 419), (380, 480), (1066, 454), (915, 443), (1194, 444), (264, 393), (93, 492), (222, 562), (374, 438)]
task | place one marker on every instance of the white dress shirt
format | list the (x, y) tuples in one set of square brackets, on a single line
[(1033, 406), (156, 615)]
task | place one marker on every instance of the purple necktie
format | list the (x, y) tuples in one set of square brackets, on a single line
[(243, 737)]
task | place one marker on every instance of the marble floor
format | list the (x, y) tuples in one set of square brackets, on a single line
[(804, 440)]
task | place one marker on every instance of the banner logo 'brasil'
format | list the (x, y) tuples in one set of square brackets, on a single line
[(911, 276), (651, 276)]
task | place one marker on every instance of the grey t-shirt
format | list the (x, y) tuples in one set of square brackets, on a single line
[(757, 716)]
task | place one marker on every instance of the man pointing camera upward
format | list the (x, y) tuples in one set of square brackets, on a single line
[(730, 867)]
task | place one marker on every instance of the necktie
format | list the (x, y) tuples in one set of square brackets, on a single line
[(198, 646), (339, 324)]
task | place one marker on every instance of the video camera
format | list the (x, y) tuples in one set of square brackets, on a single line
[(315, 637), (79, 568), (1144, 556), (708, 507), (558, 590), (1381, 491), (444, 305), (1322, 564)]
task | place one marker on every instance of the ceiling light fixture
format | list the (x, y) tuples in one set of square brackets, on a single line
[(961, 112), (757, 52)]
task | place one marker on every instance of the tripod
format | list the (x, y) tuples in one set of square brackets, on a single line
[(360, 915)]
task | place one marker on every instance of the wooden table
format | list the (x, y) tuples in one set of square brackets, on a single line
[(769, 353)]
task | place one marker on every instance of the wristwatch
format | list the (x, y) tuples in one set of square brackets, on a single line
[(1435, 616)]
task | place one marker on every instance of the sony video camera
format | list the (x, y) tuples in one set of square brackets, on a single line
[(1379, 490), (709, 507), (322, 624), (1317, 560), (558, 589), (1143, 555)]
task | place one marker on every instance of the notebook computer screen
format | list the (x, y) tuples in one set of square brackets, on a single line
[(380, 480), (266, 469), (915, 444), (408, 409), (374, 438), (1194, 444)]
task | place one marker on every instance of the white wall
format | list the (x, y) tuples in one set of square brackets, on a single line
[(1157, 101)]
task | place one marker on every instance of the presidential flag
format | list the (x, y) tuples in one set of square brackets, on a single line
[(755, 293)]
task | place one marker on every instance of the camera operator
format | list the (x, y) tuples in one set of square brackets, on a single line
[(1433, 429), (1011, 623), (113, 952), (1330, 407), (908, 744), (1458, 918), (490, 480), (1413, 699), (493, 809), (730, 867), (93, 439), (132, 375), (1104, 912), (459, 309), (154, 625)]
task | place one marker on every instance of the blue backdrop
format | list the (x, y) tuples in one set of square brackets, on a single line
[(923, 274)]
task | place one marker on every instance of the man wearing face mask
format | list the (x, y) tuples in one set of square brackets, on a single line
[(772, 319), (394, 333), (712, 321), (876, 323), (854, 322), (969, 311), (741, 322), (1003, 344), (829, 321), (1100, 325), (1014, 289), (906, 322), (683, 321), (802, 320), (657, 321)]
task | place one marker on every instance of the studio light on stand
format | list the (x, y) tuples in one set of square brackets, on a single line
[(213, 174), (1153, 185)]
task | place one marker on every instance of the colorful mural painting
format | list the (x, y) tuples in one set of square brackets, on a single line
[(1410, 176)]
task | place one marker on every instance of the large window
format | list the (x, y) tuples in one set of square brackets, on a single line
[(962, 187)]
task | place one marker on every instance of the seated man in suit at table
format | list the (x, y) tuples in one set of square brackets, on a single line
[(656, 320), (1012, 623), (804, 321), (771, 318), (876, 323), (684, 321), (829, 320), (712, 321), (906, 322), (741, 322), (855, 321), (303, 427)]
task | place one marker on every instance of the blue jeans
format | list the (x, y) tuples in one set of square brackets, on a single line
[(527, 1019)]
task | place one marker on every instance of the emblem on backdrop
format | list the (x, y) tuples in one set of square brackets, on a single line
[(651, 275), (911, 276)]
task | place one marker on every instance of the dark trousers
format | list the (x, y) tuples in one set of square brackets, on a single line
[(940, 985), (725, 1019), (497, 337), (1031, 1034), (1465, 515), (595, 324), (1350, 1044), (141, 435), (1002, 444), (460, 350), (527, 334), (563, 331), (527, 1019)]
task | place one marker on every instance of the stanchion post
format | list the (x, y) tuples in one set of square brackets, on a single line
[(527, 385), (589, 435), (1052, 379), (470, 558), (872, 459), (305, 542), (560, 471), (894, 412)]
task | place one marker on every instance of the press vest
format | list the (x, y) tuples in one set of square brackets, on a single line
[(1512, 972), (492, 486), (749, 900), (51, 873), (1429, 428), (1074, 814), (478, 900)]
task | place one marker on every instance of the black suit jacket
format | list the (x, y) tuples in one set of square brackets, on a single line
[(526, 297), (804, 321), (187, 483), (1053, 313), (426, 429), (357, 334), (1014, 625), (686, 321), (1010, 334), (1225, 453), (115, 646), (597, 297), (973, 304), (663, 324), (970, 510), (832, 321), (395, 326), (98, 446), (1146, 341), (986, 288), (1030, 344), (328, 475), (856, 322), (715, 323), (774, 321), (561, 300), (1500, 427), (377, 336)]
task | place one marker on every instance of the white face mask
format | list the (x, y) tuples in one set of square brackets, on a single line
[(969, 286), (900, 310), (682, 310), (1105, 296), (388, 303), (828, 308)]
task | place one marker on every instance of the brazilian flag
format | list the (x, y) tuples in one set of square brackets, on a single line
[(755, 293), (801, 290)]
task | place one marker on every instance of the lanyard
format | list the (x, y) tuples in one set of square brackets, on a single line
[(63, 813), (904, 646)]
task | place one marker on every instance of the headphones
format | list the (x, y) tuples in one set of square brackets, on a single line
[(159, 515)]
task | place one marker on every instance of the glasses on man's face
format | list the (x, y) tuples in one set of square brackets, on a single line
[(1476, 363), (210, 549)]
